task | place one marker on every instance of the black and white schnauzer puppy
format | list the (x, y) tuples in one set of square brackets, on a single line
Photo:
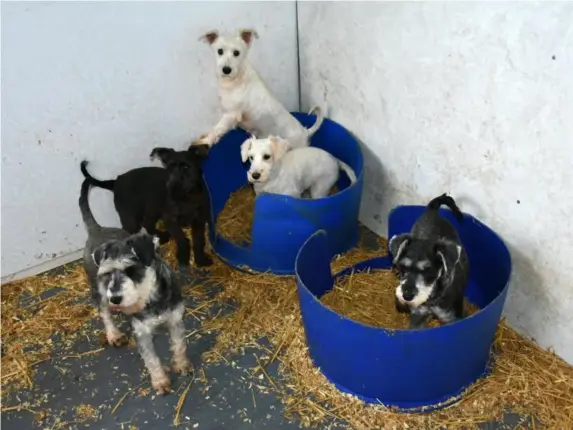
[(127, 275), (432, 265), (175, 193)]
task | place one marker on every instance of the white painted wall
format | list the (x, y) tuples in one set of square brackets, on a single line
[(474, 99), (108, 81)]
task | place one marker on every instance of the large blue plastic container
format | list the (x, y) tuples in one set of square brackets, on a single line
[(408, 369), (281, 223)]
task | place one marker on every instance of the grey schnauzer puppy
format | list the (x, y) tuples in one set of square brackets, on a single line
[(432, 265), (128, 276)]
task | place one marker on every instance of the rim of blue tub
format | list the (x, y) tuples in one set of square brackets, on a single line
[(246, 258), (311, 306)]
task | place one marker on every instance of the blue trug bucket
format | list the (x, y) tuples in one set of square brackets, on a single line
[(282, 224), (412, 370)]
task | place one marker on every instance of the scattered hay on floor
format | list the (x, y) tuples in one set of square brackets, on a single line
[(86, 412), (526, 379), (369, 298), (36, 309), (235, 221)]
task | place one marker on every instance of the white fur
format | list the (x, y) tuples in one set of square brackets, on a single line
[(150, 324), (246, 101), (400, 249), (134, 297), (444, 264), (144, 331), (443, 315), (108, 265), (422, 295), (291, 172)]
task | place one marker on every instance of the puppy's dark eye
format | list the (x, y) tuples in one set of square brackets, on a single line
[(130, 271), (220, 51), (266, 157), (236, 53), (250, 158)]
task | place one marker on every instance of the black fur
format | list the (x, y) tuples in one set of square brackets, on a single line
[(444, 199), (434, 241), (176, 193)]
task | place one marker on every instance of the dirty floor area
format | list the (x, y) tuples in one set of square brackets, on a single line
[(90, 386), (108, 389)]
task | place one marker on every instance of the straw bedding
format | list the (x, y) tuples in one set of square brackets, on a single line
[(266, 322), (35, 310), (368, 297), (525, 378), (235, 221)]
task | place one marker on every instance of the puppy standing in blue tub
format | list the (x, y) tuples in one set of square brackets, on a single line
[(433, 267)]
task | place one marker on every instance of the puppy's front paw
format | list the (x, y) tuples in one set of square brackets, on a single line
[(182, 366), (117, 339), (161, 384), (204, 139), (203, 260)]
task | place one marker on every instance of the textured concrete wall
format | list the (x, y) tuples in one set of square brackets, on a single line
[(474, 99), (108, 81)]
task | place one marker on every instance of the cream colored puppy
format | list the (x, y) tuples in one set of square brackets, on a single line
[(245, 99), (277, 169)]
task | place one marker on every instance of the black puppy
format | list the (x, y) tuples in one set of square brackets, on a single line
[(176, 193), (432, 265)]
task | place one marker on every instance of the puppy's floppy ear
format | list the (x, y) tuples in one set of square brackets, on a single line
[(397, 244), (210, 37), (99, 254), (143, 247), (248, 34), (449, 253), (245, 147), (156, 240), (199, 151), (164, 155), (279, 147)]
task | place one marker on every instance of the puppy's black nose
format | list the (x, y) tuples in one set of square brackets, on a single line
[(227, 70), (256, 175), (408, 296), (116, 300)]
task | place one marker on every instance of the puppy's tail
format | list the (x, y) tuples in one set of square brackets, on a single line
[(444, 199), (317, 110), (108, 185), (348, 170), (89, 220)]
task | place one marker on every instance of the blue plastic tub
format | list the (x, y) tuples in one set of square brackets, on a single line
[(282, 224), (411, 370)]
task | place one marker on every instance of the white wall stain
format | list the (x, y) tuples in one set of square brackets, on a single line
[(474, 99), (108, 81)]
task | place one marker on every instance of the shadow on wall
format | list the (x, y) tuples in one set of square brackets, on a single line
[(372, 213), (527, 296), (381, 192)]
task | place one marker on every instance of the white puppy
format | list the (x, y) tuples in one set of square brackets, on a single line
[(277, 169), (245, 99)]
